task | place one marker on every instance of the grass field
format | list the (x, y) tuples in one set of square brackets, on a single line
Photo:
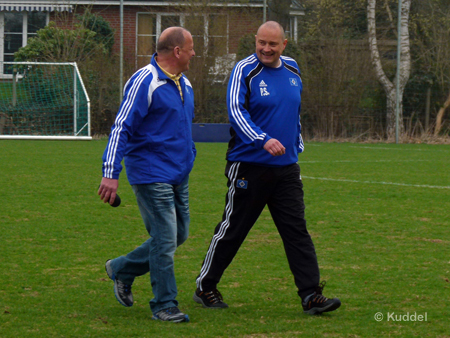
[(379, 215)]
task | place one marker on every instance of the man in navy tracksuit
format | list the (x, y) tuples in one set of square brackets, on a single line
[(152, 132), (264, 99)]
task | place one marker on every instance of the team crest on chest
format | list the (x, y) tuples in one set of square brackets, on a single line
[(263, 88), (293, 82)]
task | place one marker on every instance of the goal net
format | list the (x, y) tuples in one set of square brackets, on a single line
[(43, 100)]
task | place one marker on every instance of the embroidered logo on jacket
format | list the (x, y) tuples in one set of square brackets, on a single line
[(263, 88), (293, 82)]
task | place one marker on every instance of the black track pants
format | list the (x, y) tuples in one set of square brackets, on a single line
[(250, 189)]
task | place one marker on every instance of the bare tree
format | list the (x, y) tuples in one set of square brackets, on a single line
[(279, 11), (433, 31), (405, 64), (440, 115)]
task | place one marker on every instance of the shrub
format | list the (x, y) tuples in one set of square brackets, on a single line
[(104, 32), (53, 44)]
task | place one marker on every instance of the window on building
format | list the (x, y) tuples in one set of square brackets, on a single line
[(146, 38), (217, 35), (15, 30), (36, 21), (13, 34), (209, 31), (197, 26), (169, 20)]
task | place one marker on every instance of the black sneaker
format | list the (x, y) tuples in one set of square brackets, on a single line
[(210, 299), (317, 303), (172, 314), (121, 290)]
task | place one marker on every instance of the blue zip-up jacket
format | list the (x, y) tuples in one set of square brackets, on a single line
[(152, 130), (264, 103)]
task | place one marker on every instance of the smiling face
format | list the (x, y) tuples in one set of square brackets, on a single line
[(270, 44)]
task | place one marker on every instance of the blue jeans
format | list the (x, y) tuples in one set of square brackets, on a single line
[(165, 211)]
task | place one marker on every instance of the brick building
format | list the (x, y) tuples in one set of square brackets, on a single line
[(216, 25)]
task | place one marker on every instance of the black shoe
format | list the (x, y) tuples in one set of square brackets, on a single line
[(172, 314), (317, 303), (121, 290), (211, 299)]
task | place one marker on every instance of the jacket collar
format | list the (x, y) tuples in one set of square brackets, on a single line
[(161, 73)]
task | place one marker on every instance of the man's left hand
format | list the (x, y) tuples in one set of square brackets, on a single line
[(274, 147)]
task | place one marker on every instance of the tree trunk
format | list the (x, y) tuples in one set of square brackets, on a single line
[(440, 115), (403, 72)]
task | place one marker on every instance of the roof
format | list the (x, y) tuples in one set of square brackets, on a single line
[(67, 3)]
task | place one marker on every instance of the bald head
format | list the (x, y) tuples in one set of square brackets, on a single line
[(272, 25), (171, 38)]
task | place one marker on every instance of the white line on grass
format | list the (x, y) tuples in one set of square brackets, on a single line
[(401, 149), (373, 182), (374, 161)]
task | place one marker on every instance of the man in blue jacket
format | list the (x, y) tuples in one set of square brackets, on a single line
[(264, 99), (152, 133)]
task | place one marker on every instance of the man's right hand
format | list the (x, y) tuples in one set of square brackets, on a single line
[(108, 189)]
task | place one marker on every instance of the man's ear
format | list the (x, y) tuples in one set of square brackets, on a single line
[(176, 51)]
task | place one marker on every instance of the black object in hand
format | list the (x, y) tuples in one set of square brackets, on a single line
[(116, 202)]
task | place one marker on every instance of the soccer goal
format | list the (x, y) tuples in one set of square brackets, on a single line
[(43, 100)]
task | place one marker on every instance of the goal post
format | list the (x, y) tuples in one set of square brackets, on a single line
[(43, 100)]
